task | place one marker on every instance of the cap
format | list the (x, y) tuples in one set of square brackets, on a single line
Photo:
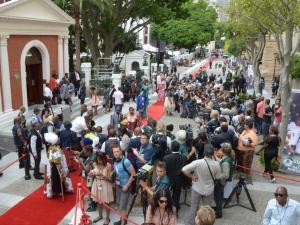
[(87, 141)]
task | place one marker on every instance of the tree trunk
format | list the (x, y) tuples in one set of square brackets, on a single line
[(285, 93), (77, 34)]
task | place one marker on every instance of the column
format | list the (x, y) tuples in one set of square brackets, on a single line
[(60, 57), (66, 54), (5, 78)]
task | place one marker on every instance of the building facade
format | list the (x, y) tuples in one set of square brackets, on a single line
[(33, 44)]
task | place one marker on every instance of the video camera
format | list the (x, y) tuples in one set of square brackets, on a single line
[(143, 172)]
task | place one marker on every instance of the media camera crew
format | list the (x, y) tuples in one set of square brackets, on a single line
[(162, 181), (145, 153), (175, 162), (161, 143), (214, 122), (124, 177)]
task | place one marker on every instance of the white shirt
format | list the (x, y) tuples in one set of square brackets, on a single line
[(33, 143), (47, 92), (204, 185), (276, 214), (118, 96)]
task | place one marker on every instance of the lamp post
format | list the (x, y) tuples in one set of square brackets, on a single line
[(275, 61)]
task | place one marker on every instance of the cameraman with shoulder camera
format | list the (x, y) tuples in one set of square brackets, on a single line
[(162, 180)]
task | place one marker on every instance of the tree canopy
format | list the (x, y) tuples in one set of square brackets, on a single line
[(111, 26), (196, 28)]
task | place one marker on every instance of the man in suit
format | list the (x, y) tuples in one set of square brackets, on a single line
[(116, 118), (36, 145), (135, 142), (175, 162)]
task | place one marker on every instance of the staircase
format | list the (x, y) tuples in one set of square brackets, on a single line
[(6, 120)]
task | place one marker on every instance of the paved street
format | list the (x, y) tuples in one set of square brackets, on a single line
[(12, 186)]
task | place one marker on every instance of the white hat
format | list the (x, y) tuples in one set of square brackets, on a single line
[(181, 136), (51, 138)]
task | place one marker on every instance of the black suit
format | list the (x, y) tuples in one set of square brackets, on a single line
[(38, 148), (175, 162)]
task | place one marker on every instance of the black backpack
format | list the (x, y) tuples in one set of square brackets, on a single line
[(159, 143)]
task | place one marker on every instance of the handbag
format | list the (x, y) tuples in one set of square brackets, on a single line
[(217, 183)]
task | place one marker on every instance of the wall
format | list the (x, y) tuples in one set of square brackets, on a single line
[(15, 46)]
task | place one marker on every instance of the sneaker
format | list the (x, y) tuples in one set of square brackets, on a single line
[(273, 180)]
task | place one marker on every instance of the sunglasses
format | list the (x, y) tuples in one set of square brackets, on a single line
[(163, 201), (279, 194)]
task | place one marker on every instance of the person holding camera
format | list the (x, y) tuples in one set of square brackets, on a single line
[(161, 211), (124, 177), (246, 147), (145, 153), (162, 181)]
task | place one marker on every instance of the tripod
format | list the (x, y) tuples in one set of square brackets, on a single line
[(144, 199), (237, 191)]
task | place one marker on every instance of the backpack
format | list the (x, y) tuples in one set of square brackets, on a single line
[(159, 143)]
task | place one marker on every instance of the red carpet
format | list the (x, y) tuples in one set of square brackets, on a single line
[(155, 111), (37, 209)]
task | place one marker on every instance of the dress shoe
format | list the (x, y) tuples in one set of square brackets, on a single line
[(1, 174), (27, 177), (39, 178), (96, 220), (41, 174)]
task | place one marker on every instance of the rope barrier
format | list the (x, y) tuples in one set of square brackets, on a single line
[(109, 207), (275, 175), (9, 165)]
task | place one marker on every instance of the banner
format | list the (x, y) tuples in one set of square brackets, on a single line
[(290, 161)]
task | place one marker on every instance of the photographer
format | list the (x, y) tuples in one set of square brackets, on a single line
[(162, 180), (214, 122), (124, 173), (246, 147), (145, 153)]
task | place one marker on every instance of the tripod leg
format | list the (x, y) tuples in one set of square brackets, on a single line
[(230, 196), (249, 198)]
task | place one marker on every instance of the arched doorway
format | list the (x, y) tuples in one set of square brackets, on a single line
[(135, 66), (34, 76)]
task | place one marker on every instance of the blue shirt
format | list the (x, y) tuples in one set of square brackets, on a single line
[(276, 214), (122, 175), (162, 183), (147, 152)]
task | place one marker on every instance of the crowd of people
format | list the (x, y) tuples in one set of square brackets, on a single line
[(204, 160)]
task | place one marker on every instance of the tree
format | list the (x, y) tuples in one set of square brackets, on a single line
[(107, 24), (249, 35), (72, 7), (196, 29), (281, 19)]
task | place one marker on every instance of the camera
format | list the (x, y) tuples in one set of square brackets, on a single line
[(143, 172)]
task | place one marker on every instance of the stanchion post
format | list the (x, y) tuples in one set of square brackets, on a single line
[(78, 194)]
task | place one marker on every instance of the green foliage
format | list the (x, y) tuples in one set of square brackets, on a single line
[(196, 28), (295, 68)]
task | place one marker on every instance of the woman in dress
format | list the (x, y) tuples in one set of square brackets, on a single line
[(169, 103), (95, 100), (134, 120), (271, 144), (161, 211), (102, 186), (161, 89)]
